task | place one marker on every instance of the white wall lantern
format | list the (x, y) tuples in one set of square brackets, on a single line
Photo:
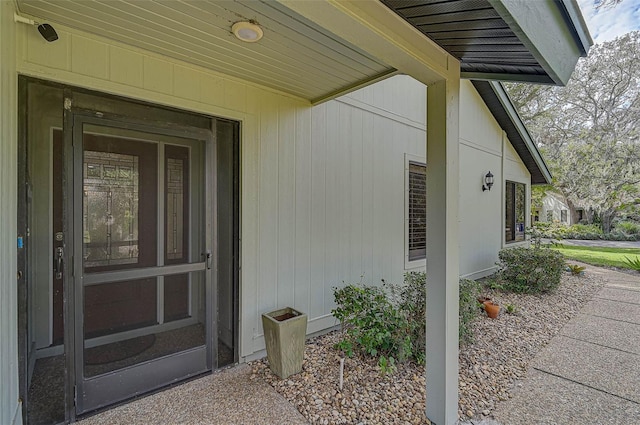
[(488, 182)]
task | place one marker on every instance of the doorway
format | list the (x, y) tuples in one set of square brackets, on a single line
[(128, 277)]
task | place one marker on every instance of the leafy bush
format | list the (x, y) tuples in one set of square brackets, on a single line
[(389, 322), (411, 300), (630, 228), (575, 231), (468, 294), (530, 270), (371, 324), (624, 231)]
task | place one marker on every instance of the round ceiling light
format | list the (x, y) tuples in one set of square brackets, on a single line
[(247, 31)]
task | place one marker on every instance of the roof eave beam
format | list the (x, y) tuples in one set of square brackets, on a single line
[(380, 32), (356, 86)]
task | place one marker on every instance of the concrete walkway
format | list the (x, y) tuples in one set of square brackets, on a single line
[(232, 396), (590, 373)]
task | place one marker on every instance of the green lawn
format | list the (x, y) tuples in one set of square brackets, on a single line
[(599, 256)]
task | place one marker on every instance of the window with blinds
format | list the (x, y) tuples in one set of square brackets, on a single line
[(417, 211)]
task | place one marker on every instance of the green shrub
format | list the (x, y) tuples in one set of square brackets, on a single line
[(389, 322), (575, 231), (468, 294), (530, 270), (411, 300), (630, 228), (371, 324)]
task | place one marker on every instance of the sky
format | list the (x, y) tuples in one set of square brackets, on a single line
[(606, 24)]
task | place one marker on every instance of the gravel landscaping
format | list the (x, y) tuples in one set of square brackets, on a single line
[(489, 367)]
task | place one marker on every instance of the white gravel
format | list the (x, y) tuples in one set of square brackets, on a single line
[(489, 366)]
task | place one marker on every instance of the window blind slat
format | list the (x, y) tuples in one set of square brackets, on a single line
[(417, 211)]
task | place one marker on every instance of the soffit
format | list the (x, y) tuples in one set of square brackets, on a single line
[(479, 36), (295, 55)]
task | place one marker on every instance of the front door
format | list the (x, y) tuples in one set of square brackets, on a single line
[(130, 239), (141, 258)]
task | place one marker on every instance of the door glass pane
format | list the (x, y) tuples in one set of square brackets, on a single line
[(110, 216), (176, 204), (120, 199)]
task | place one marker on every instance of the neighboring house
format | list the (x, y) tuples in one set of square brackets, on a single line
[(171, 182), (555, 209)]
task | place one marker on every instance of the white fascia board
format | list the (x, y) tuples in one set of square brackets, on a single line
[(574, 15), (552, 31), (492, 76), (510, 109)]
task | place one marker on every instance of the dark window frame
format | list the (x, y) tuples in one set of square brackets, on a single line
[(515, 219), (417, 211)]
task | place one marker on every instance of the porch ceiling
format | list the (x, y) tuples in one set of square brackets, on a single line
[(295, 55), (493, 39)]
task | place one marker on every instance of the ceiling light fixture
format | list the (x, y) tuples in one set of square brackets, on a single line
[(247, 31)]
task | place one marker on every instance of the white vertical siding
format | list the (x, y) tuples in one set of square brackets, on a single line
[(322, 187), (483, 147), (9, 404), (322, 197)]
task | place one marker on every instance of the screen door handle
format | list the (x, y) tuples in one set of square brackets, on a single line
[(208, 260), (58, 262)]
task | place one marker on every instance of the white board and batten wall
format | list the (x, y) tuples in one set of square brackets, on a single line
[(484, 147), (322, 188)]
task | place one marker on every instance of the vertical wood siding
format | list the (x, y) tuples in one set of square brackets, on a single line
[(483, 147), (9, 405), (322, 187)]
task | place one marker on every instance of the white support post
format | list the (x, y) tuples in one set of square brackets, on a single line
[(442, 251)]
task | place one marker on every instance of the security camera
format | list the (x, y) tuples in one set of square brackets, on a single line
[(46, 31)]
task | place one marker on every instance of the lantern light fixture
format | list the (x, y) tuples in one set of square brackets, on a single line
[(488, 181)]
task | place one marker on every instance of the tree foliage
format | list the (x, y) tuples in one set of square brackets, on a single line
[(588, 131), (606, 4)]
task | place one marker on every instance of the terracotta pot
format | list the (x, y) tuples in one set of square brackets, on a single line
[(483, 300), (492, 309)]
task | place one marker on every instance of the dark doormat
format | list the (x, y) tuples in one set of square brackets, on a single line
[(117, 351)]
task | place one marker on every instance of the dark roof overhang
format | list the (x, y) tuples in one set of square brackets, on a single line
[(497, 100), (534, 41)]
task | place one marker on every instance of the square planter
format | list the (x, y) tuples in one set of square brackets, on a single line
[(284, 335)]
